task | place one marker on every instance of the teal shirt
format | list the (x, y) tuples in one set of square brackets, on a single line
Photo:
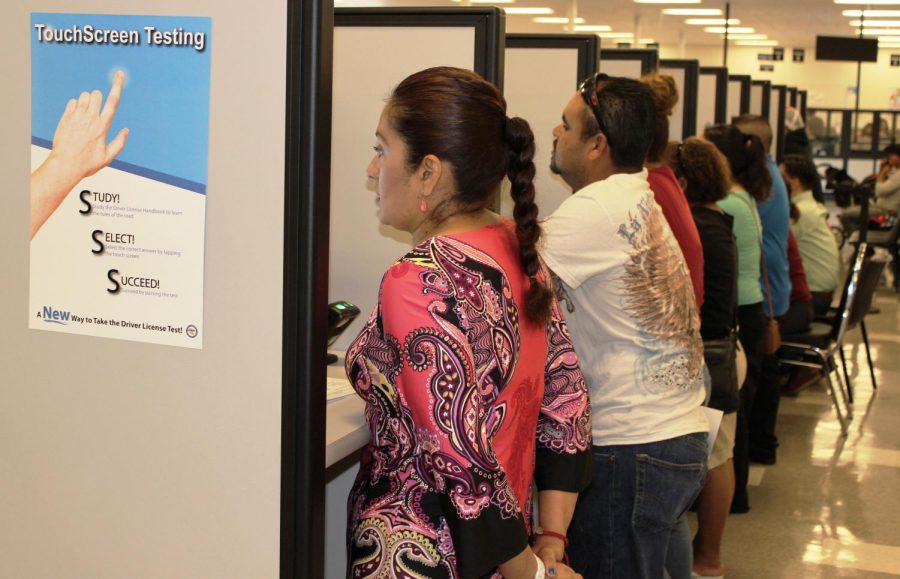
[(748, 233)]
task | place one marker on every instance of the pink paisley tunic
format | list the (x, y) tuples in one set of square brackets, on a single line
[(467, 403)]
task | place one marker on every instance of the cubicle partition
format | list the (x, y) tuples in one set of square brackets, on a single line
[(541, 73), (629, 62), (760, 97), (361, 250), (801, 100), (792, 97), (777, 104), (712, 97), (683, 121), (738, 96)]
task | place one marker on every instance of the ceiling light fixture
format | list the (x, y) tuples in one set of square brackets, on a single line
[(735, 29), (884, 2), (667, 1), (556, 20), (518, 10), (757, 43), (882, 39), (624, 35), (747, 36), (692, 12), (878, 31), (711, 21), (595, 28), (871, 13), (874, 23)]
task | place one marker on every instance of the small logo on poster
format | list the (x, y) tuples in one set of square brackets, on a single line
[(191, 331), (51, 316)]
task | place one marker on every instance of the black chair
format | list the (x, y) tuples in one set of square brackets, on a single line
[(816, 348)]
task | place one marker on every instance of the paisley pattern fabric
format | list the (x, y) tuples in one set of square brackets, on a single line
[(462, 397)]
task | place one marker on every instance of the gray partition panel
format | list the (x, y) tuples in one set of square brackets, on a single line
[(759, 97), (542, 73), (712, 97), (129, 459), (738, 96), (630, 62), (778, 103), (683, 122)]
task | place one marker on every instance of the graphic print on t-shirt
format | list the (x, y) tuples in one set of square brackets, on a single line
[(657, 294)]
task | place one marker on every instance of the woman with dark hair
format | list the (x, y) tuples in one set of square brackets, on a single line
[(750, 184), (471, 384), (703, 173), (666, 190)]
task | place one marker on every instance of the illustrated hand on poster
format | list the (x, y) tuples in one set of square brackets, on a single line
[(79, 150)]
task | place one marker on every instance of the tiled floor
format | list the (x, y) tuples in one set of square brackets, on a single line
[(830, 507)]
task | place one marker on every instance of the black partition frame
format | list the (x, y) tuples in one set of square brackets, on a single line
[(648, 57), (778, 93), (792, 96), (801, 97), (307, 173), (489, 25), (688, 95), (766, 95), (721, 74), (587, 46), (745, 81)]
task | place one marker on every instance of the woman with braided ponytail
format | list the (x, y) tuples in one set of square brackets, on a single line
[(471, 383)]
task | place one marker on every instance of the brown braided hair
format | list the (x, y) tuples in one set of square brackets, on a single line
[(459, 117)]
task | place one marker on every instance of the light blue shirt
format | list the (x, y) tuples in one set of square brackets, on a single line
[(775, 215)]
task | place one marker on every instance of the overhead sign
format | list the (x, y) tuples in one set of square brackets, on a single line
[(119, 140)]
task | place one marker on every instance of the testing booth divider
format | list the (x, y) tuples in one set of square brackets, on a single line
[(683, 121), (760, 97), (404, 41), (125, 458), (777, 104), (738, 96), (541, 73), (712, 97), (628, 62)]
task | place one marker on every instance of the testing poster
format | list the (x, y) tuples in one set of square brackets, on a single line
[(119, 140)]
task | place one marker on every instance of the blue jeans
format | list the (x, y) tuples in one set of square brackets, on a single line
[(623, 522)]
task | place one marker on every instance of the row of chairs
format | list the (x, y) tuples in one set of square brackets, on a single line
[(824, 341)]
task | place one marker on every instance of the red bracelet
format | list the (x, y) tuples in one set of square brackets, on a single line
[(538, 531)]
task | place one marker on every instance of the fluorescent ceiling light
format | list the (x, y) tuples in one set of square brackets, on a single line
[(488, 1), (646, 41), (692, 12), (667, 1), (889, 45), (885, 2), (888, 39), (517, 10), (594, 28), (711, 21), (871, 13), (874, 23), (878, 31), (757, 43), (556, 20), (734, 29), (747, 36), (624, 35)]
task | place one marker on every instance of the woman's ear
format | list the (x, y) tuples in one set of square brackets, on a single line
[(429, 173)]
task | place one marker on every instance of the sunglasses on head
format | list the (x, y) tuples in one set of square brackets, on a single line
[(588, 91)]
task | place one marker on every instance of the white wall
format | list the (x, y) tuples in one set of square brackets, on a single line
[(128, 460), (827, 82)]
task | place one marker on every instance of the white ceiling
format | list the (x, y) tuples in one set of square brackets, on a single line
[(791, 22)]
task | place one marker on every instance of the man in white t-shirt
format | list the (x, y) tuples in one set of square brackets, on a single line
[(635, 326)]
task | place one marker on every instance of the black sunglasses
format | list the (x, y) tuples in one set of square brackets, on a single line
[(588, 91)]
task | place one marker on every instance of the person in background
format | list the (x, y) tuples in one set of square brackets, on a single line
[(775, 216), (816, 243), (635, 325), (471, 384), (800, 315), (750, 184), (796, 138), (666, 190), (703, 173), (887, 181)]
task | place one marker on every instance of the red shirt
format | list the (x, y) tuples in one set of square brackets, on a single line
[(799, 287), (671, 199)]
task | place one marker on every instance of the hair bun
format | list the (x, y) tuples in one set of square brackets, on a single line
[(665, 91)]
